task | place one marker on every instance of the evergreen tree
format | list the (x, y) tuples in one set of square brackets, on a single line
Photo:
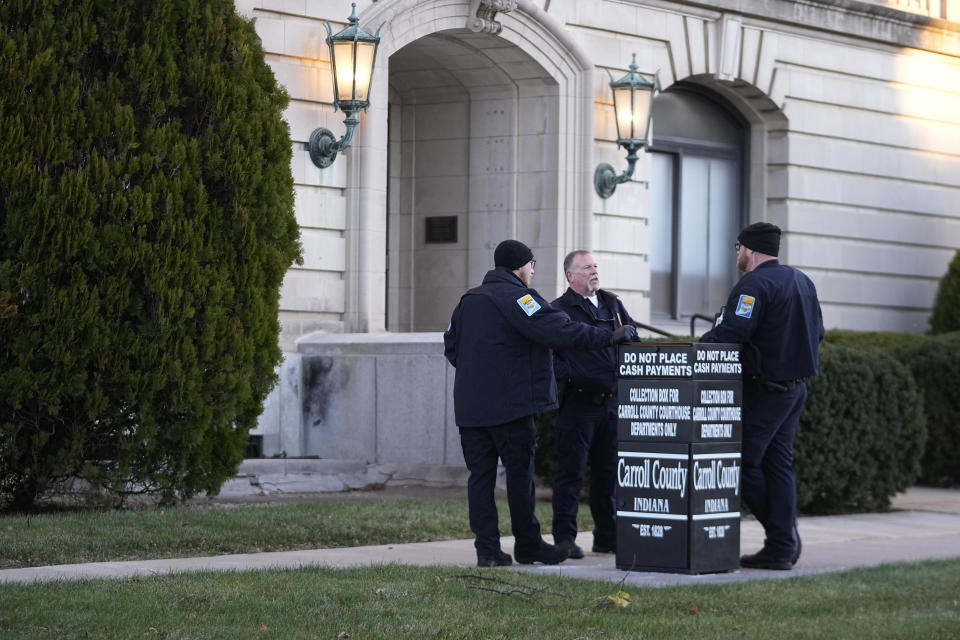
[(946, 306), (146, 223)]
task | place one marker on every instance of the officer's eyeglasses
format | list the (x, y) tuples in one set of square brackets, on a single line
[(736, 247), (533, 264)]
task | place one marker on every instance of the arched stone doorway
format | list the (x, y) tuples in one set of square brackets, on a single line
[(473, 130), (490, 133)]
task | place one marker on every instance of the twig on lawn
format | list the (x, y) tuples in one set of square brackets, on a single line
[(505, 588)]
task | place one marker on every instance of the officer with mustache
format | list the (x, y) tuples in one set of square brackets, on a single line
[(586, 426)]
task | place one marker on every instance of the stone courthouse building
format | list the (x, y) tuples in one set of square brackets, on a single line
[(838, 121)]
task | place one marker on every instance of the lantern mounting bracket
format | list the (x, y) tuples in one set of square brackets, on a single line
[(605, 178), (323, 145), (350, 95)]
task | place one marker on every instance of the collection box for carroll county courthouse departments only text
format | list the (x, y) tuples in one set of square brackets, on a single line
[(678, 410), (678, 463)]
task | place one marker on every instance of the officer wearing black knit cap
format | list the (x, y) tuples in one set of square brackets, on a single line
[(499, 340), (512, 254), (774, 313)]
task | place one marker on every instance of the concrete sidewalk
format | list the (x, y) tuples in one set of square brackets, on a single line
[(925, 525)]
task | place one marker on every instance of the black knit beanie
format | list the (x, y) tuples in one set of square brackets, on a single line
[(511, 254), (762, 237)]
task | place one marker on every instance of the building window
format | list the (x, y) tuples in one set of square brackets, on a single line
[(697, 184)]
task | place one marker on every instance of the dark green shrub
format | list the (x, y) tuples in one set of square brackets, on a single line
[(7, 310), (545, 458), (946, 306), (861, 434), (934, 362), (146, 223), (886, 341)]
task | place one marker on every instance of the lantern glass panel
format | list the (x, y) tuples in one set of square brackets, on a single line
[(365, 53), (343, 63), (621, 101), (641, 112)]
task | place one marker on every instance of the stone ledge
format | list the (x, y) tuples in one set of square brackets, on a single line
[(275, 476), (330, 344)]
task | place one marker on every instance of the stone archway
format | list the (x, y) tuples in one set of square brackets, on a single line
[(547, 208), (767, 126), (473, 139)]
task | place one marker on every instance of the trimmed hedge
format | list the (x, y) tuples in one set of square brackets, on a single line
[(545, 458), (861, 435), (886, 341), (934, 363)]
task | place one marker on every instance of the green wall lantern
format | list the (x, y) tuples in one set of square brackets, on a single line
[(633, 96), (353, 53)]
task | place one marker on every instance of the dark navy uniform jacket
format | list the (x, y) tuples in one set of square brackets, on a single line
[(499, 340), (592, 370), (773, 311)]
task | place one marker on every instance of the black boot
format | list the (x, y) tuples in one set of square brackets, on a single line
[(498, 559), (573, 551), (545, 553), (763, 560)]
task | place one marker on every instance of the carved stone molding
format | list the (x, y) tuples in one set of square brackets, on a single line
[(482, 13)]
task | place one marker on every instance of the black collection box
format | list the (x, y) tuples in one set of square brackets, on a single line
[(714, 507), (678, 468), (653, 503)]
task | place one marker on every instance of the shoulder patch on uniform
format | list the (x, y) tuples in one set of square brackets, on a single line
[(528, 304), (745, 306)]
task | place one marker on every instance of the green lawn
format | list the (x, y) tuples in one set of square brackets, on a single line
[(95, 536), (910, 601), (388, 602)]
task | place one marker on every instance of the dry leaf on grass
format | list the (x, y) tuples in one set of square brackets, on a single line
[(620, 599)]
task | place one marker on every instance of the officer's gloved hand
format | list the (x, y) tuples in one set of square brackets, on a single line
[(626, 333)]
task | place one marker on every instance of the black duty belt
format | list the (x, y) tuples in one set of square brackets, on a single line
[(780, 386), (598, 398)]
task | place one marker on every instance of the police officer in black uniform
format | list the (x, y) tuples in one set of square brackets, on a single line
[(773, 311), (499, 340), (586, 426)]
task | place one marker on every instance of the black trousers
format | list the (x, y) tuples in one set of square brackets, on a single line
[(586, 432), (770, 420), (513, 443)]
